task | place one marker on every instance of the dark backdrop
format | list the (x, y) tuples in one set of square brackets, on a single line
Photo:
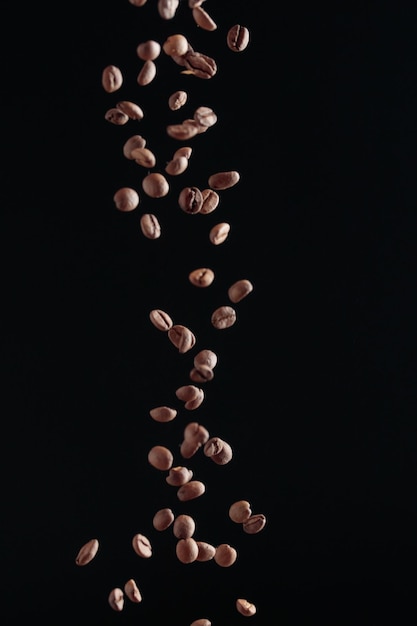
[(315, 383)]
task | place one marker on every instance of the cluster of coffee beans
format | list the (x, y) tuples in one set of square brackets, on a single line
[(191, 200)]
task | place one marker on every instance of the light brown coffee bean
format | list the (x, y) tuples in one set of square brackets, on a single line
[(196, 433), (223, 317), (194, 403), (199, 64), (155, 185), (182, 132), (205, 116), (237, 38), (203, 19), (206, 551), (177, 100), (163, 414), (182, 338), (126, 199), (167, 8), (191, 395), (190, 200), (254, 524), (218, 450), (176, 166), (184, 526), (111, 78), (116, 599), (148, 50), (191, 490), (205, 358), (201, 622), (138, 3), (225, 555), (201, 277), (132, 591), (161, 320), (211, 201), (179, 476), (224, 180), (245, 608), (189, 448), (147, 73), (239, 290), (240, 511), (142, 546), (144, 157), (186, 550), (219, 233), (116, 116), (131, 109), (150, 226), (176, 45), (87, 552), (185, 151), (136, 141), (160, 457), (163, 519), (190, 121), (202, 374)]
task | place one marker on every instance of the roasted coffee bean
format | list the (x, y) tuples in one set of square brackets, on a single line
[(202, 374), (147, 73), (116, 116), (205, 116), (150, 226), (201, 277), (144, 157), (218, 451), (245, 608), (191, 490), (182, 132), (199, 65), (254, 524), (223, 317), (163, 414), (182, 338), (87, 552), (194, 124), (196, 433), (192, 396), (184, 526), (160, 457), (206, 551), (189, 448), (155, 185), (167, 8), (223, 180), (175, 45), (111, 79), (237, 38), (205, 358), (201, 622), (148, 50), (160, 319), (186, 550), (219, 233), (211, 201), (142, 546), (190, 200), (132, 591), (225, 555), (184, 151), (126, 199), (176, 166), (240, 511), (203, 19), (163, 519), (239, 290), (116, 599), (136, 141), (177, 100), (138, 3), (131, 109), (179, 476)]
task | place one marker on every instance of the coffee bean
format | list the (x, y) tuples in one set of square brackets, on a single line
[(191, 490), (199, 64), (219, 233), (155, 185), (150, 226), (147, 73), (203, 19), (163, 414), (245, 608), (254, 524), (196, 433), (142, 546), (201, 374), (163, 519), (167, 8), (179, 476), (184, 526), (211, 201), (190, 200), (186, 550), (182, 132), (192, 396), (160, 457), (160, 319), (225, 555), (201, 622), (201, 277), (111, 79), (206, 551), (218, 451), (237, 38), (87, 552), (185, 151), (132, 591), (182, 338), (116, 599), (205, 358), (223, 317), (189, 448), (176, 166), (177, 100), (224, 180), (205, 116), (144, 157), (148, 50), (138, 3), (126, 199), (136, 141), (132, 110), (239, 290), (116, 116), (176, 45), (240, 511)]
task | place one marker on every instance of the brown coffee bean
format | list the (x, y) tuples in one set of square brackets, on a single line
[(254, 524), (191, 395), (116, 599), (142, 546), (132, 591), (136, 141), (211, 201), (206, 551), (160, 319), (126, 199), (176, 45), (185, 151), (223, 180), (112, 78), (240, 511), (205, 116), (132, 110), (190, 121), (155, 185), (201, 277), (223, 317), (237, 38), (199, 64), (191, 490), (201, 622), (190, 200), (179, 476), (205, 358), (160, 457), (167, 8), (163, 414), (148, 50), (219, 233), (144, 157), (245, 608), (239, 290), (189, 448), (163, 519), (186, 550), (150, 226), (184, 526), (203, 19), (225, 555), (87, 552), (147, 73), (218, 451), (116, 116), (202, 374), (182, 132), (177, 100), (196, 433), (176, 166), (138, 3), (182, 338)]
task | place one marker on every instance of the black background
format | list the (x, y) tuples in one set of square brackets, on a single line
[(315, 384)]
